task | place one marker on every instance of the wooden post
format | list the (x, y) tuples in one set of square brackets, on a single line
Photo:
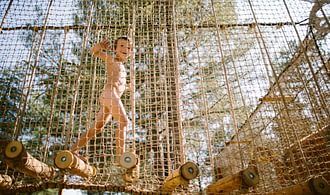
[(66, 160), (5, 181), (129, 160), (17, 158), (180, 176), (242, 180), (315, 186)]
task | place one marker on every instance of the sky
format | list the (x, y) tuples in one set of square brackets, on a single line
[(71, 192)]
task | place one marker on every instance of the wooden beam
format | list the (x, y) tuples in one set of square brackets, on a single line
[(67, 161), (314, 186), (242, 180), (180, 176), (17, 158)]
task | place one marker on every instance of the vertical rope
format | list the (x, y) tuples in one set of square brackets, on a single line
[(55, 95), (93, 86), (74, 100), (228, 87), (18, 122), (238, 80), (205, 112), (132, 71), (173, 76), (304, 83), (182, 157), (318, 88), (268, 64), (263, 45), (307, 58), (5, 15), (277, 80)]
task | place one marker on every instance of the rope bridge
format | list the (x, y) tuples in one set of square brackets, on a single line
[(227, 97)]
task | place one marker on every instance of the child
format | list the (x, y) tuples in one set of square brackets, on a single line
[(115, 86)]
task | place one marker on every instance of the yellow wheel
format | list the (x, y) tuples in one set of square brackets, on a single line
[(64, 159), (14, 149), (189, 170), (250, 177), (320, 185), (128, 160)]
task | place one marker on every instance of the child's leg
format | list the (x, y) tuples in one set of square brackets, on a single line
[(102, 118), (118, 112)]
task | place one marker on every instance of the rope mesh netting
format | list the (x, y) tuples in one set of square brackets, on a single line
[(227, 85)]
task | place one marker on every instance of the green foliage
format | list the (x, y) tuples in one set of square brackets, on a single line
[(10, 94), (199, 12), (44, 192)]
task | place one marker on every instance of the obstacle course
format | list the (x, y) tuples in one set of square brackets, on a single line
[(227, 97)]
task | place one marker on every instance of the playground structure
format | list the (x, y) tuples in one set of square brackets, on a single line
[(229, 97)]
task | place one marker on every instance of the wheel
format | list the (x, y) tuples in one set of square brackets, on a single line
[(250, 177), (320, 186), (14, 149), (64, 159), (189, 170), (128, 160)]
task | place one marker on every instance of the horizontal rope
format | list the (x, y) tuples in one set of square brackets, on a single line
[(97, 27)]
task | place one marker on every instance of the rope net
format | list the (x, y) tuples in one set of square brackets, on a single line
[(225, 84)]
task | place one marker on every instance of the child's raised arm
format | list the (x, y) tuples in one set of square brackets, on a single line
[(98, 52)]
